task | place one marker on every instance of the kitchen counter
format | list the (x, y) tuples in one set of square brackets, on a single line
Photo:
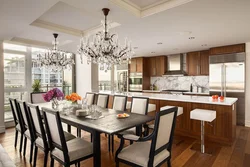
[(197, 93), (228, 101), (151, 91)]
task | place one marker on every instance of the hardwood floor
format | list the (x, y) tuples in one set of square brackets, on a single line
[(238, 155)]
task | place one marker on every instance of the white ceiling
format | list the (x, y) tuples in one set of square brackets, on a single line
[(211, 22)]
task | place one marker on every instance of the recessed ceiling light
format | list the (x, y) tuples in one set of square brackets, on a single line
[(159, 43), (204, 45), (135, 47), (191, 38), (152, 52)]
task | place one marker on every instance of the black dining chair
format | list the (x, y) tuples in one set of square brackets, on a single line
[(37, 97), (66, 153), (152, 150), (28, 130), (18, 122)]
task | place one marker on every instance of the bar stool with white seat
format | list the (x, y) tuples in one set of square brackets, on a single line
[(203, 115)]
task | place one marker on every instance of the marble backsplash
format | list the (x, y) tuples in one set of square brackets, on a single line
[(181, 82)]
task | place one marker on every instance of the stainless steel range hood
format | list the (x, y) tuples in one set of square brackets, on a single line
[(176, 65)]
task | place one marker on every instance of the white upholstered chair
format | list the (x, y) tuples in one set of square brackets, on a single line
[(102, 100), (158, 150), (37, 97), (90, 98), (65, 152), (119, 102), (39, 132)]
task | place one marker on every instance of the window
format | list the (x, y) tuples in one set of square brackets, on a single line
[(104, 80)]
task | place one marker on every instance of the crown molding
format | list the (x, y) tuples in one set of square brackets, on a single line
[(157, 7), (69, 30)]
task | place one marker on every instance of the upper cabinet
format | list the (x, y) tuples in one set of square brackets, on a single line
[(136, 65), (228, 49), (157, 65), (198, 63)]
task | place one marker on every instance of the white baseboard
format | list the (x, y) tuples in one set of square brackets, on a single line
[(2, 129), (247, 123)]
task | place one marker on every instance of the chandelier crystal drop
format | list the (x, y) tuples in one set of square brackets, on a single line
[(104, 48), (55, 59)]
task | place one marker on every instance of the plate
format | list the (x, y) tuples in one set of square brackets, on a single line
[(121, 116)]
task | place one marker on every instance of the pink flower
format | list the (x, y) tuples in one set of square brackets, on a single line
[(53, 93)]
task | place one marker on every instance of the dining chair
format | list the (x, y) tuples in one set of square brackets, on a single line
[(18, 122), (102, 100), (40, 133), (37, 97), (65, 152), (90, 98), (119, 103), (152, 150), (139, 105), (28, 130)]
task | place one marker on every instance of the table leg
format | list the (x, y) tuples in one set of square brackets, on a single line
[(97, 149), (79, 134), (69, 128), (139, 130)]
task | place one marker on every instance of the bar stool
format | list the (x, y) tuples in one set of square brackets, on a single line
[(203, 115)]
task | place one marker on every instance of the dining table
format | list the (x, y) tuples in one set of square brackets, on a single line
[(107, 123)]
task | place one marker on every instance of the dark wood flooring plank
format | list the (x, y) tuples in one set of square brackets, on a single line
[(246, 162)]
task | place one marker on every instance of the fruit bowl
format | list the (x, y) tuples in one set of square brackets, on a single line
[(123, 115)]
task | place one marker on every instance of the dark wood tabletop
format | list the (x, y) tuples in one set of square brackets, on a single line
[(109, 124)]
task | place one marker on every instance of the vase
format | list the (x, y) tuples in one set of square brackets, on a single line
[(74, 107), (54, 103)]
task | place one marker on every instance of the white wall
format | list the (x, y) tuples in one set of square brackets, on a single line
[(86, 77), (2, 126), (247, 98)]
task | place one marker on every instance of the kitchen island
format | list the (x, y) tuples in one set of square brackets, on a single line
[(222, 130)]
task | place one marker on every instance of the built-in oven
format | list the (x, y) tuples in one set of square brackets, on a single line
[(135, 82)]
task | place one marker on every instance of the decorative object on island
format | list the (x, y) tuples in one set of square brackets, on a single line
[(55, 59), (105, 48), (73, 98), (53, 95), (36, 85)]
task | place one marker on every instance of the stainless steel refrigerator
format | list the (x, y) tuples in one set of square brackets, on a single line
[(227, 78)]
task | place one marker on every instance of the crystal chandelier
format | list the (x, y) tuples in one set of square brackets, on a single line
[(55, 59), (104, 48)]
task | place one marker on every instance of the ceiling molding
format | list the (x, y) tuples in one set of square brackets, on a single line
[(30, 42), (148, 10), (69, 30)]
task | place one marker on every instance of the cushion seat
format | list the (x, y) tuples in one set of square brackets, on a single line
[(138, 153), (27, 133), (131, 131), (77, 148), (203, 115), (18, 127)]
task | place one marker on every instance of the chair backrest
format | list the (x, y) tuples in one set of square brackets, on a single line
[(37, 97), (119, 102), (13, 106), (25, 116), (54, 131), (102, 100), (163, 131), (37, 123), (90, 98), (139, 105)]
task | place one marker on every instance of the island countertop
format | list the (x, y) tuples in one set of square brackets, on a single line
[(228, 101)]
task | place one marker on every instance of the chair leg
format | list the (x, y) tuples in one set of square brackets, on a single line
[(117, 164), (45, 158), (16, 137), (79, 164), (169, 163), (21, 143), (24, 146), (52, 162), (35, 156), (112, 143), (131, 142), (109, 142), (91, 137), (31, 150)]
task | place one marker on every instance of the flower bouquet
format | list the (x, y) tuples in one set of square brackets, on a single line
[(73, 97), (52, 95)]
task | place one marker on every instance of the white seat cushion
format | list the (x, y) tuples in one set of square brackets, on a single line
[(151, 107), (131, 131), (203, 115), (5, 160), (179, 111), (18, 127), (27, 133), (77, 148), (138, 153), (39, 142)]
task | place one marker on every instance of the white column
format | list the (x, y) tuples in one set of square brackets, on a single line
[(247, 89), (2, 126), (94, 78)]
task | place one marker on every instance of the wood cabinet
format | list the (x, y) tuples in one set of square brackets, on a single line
[(157, 65), (136, 65), (228, 49), (198, 63)]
